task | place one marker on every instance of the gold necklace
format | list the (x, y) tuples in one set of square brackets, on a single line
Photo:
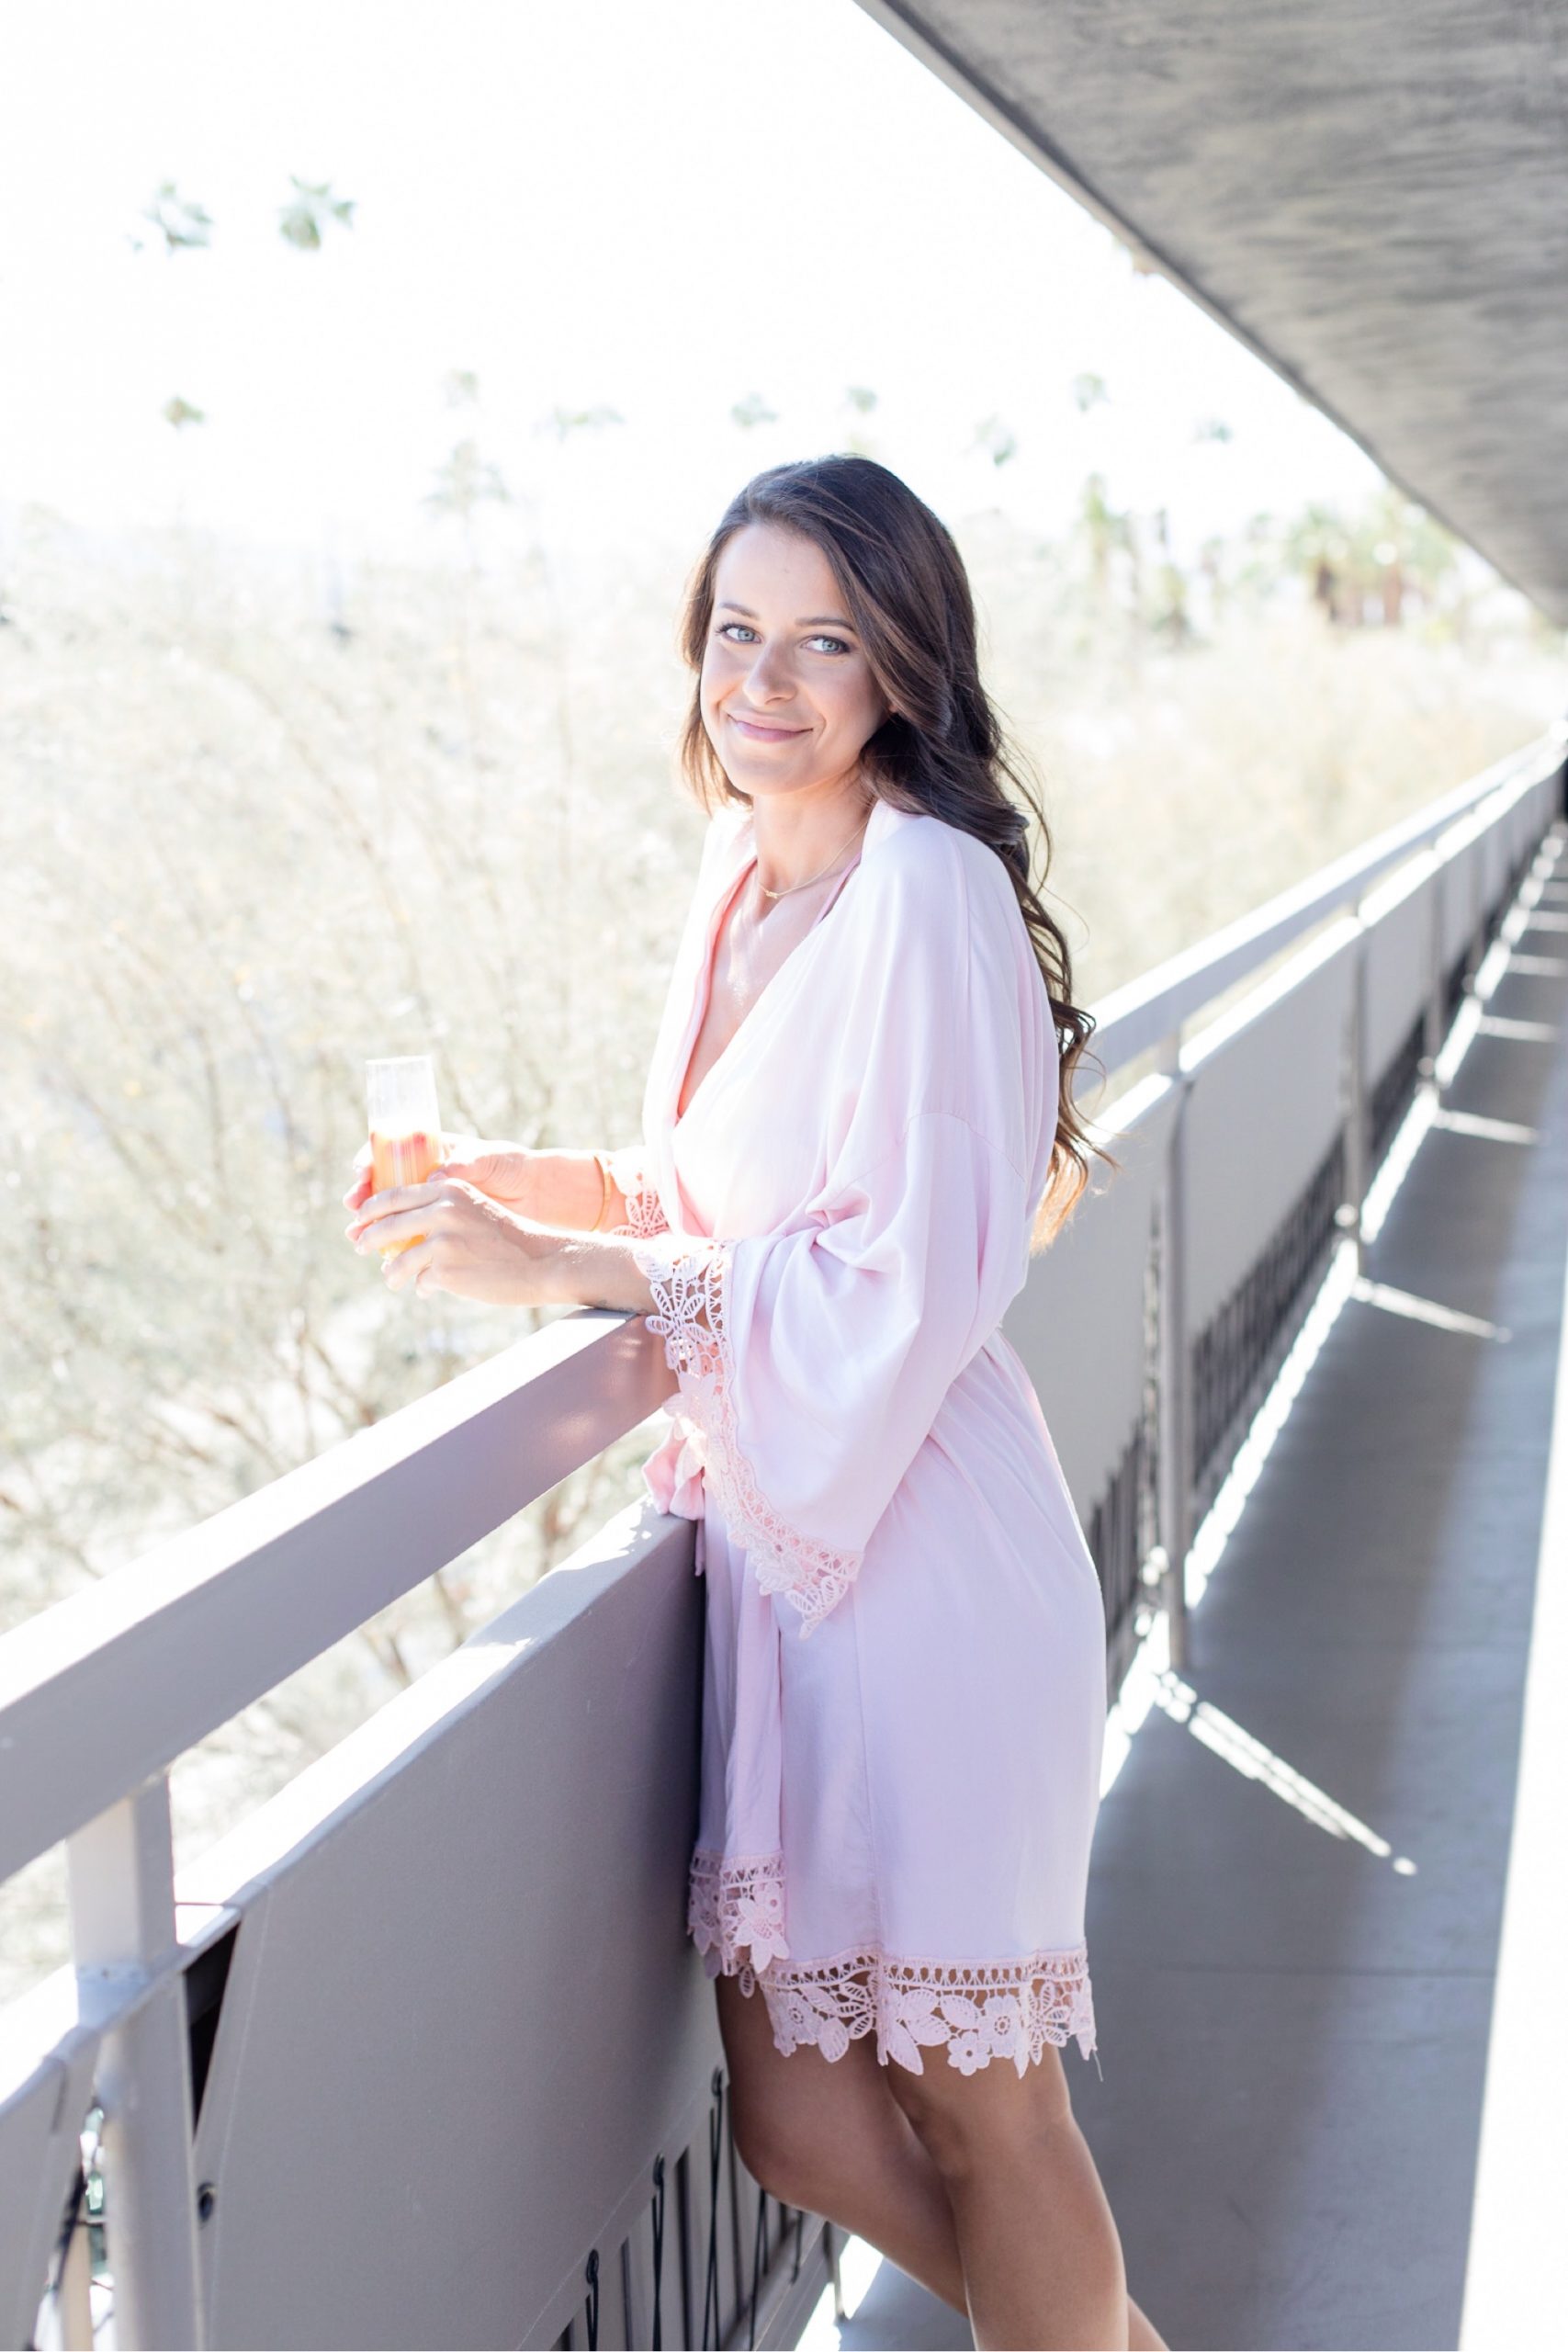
[(790, 887), (743, 930)]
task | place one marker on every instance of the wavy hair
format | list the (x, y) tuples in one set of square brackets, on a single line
[(945, 753)]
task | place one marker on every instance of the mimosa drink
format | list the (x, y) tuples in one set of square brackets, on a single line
[(400, 1159), (405, 1127)]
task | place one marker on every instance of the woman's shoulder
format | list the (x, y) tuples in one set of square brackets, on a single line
[(934, 865)]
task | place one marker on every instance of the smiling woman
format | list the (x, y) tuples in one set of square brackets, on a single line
[(856, 1111), (857, 1122)]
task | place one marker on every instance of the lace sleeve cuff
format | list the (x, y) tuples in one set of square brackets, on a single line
[(691, 1288), (645, 1210)]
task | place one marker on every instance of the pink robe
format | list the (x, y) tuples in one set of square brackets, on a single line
[(904, 1689)]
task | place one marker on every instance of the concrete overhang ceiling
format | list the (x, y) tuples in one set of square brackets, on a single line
[(1372, 195)]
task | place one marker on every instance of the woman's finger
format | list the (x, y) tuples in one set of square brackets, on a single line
[(384, 1234), (391, 1203), (404, 1270), (382, 1224), (362, 1178)]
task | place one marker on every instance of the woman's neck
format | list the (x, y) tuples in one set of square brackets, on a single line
[(796, 843)]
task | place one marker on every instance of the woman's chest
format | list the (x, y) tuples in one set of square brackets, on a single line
[(752, 1092), (739, 971), (747, 953)]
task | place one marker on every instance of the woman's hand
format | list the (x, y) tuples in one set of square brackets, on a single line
[(473, 1247), (499, 1169), (459, 1240)]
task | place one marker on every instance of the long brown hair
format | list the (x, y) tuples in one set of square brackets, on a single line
[(945, 755)]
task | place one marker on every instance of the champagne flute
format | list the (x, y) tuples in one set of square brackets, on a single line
[(405, 1126)]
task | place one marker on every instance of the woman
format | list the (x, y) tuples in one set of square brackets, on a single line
[(855, 1124)]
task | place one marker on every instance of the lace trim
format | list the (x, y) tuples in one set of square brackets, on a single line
[(1006, 2008), (734, 1902), (645, 1211), (692, 1292)]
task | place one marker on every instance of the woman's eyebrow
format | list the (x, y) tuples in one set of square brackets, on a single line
[(812, 620)]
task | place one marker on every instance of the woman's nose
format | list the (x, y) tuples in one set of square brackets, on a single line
[(768, 674)]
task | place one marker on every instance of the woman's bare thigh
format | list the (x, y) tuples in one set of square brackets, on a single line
[(802, 2118)]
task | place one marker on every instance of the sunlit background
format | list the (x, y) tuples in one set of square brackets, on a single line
[(667, 245)]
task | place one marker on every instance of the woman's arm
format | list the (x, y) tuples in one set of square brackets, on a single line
[(600, 1270), (448, 1235), (559, 1188)]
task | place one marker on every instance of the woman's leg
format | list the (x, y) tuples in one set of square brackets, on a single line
[(1042, 2258), (833, 2139)]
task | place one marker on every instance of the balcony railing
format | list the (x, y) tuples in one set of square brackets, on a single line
[(419, 2054)]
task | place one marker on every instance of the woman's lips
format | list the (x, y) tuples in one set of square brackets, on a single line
[(765, 734)]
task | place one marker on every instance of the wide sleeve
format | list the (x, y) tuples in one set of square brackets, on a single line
[(813, 1359)]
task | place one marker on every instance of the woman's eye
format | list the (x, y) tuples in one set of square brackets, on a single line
[(741, 631)]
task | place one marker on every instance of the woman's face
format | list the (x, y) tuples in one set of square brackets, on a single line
[(788, 698)]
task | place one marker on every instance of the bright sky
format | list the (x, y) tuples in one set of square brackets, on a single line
[(662, 207)]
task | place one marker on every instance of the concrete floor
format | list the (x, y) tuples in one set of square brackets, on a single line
[(1294, 2030)]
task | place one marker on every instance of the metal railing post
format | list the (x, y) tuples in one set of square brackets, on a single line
[(74, 2310), (1355, 1097), (122, 1928), (1437, 983), (1175, 1426)]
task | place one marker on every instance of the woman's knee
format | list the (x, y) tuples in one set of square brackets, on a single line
[(967, 2123)]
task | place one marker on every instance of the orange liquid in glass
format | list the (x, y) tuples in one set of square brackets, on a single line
[(401, 1159)]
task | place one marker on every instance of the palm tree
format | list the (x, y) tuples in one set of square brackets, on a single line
[(1104, 530), (185, 227), (996, 439), (311, 209), (1401, 549), (1317, 545), (182, 224), (564, 422), (465, 483)]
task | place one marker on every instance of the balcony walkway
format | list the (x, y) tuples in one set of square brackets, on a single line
[(1297, 1900)]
